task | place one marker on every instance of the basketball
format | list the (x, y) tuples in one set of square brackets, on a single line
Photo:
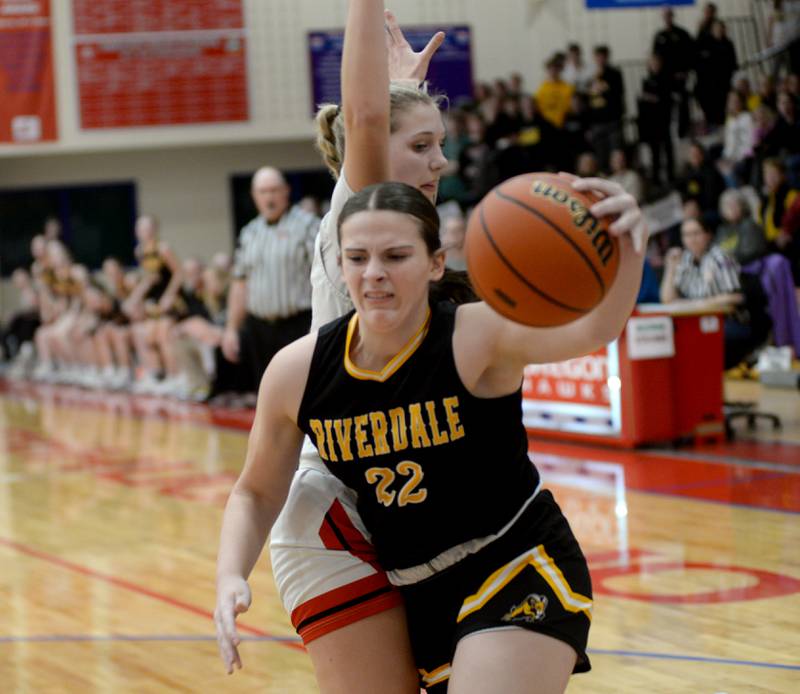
[(536, 255)]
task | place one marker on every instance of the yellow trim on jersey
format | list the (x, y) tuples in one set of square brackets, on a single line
[(394, 364), (437, 676), (547, 569)]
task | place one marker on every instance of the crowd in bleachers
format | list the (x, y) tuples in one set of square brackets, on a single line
[(97, 330), (731, 151)]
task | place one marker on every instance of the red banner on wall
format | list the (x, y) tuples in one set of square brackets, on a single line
[(27, 94), (167, 62)]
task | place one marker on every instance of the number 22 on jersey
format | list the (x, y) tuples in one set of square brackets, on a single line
[(384, 477)]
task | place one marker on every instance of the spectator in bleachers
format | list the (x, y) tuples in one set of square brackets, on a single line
[(587, 165), (22, 323), (766, 142), (701, 270), (150, 305), (573, 136), (787, 133), (677, 50), (52, 229), (554, 96), (739, 140), (451, 185), (655, 106), (476, 163), (791, 85), (540, 143), (739, 235), (452, 235), (576, 71), (741, 84), (115, 336), (516, 86), (782, 33), (606, 106), (716, 64), (767, 91), (707, 20), (53, 347), (701, 181), (506, 124), (777, 199), (628, 178), (787, 242)]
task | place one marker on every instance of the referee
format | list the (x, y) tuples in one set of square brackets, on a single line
[(269, 304)]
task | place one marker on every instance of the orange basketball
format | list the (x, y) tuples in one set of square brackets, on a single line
[(536, 255)]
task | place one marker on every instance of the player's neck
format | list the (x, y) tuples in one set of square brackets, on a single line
[(372, 348)]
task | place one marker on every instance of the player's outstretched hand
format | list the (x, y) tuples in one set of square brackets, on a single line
[(233, 598), (618, 204), (404, 63)]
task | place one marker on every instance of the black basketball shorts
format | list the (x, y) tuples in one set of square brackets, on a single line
[(534, 577)]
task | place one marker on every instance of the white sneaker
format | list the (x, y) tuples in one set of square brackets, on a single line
[(44, 372), (147, 385)]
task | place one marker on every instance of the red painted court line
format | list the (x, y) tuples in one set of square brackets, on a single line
[(133, 587)]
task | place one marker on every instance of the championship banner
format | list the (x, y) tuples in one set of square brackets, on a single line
[(27, 94), (450, 71), (580, 395), (164, 62)]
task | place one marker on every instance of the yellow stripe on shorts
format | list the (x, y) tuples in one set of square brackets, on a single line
[(547, 569), (437, 676)]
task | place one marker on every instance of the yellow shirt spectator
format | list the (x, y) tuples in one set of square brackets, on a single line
[(554, 99)]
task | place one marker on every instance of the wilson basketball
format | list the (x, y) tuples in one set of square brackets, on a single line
[(536, 255)]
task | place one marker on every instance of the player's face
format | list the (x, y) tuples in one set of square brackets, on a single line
[(415, 149), (387, 268)]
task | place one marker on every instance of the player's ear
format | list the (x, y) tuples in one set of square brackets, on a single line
[(437, 270)]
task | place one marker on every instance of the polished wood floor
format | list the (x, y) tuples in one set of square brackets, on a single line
[(109, 515)]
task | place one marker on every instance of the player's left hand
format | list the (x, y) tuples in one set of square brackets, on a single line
[(404, 63), (619, 204)]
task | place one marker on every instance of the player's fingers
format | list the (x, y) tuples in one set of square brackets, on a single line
[(225, 649), (614, 205), (433, 45), (597, 185), (626, 223), (393, 28), (569, 176)]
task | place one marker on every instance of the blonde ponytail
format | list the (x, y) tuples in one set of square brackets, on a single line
[(330, 137)]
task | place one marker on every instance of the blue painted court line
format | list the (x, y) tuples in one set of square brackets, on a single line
[(84, 638), (692, 658)]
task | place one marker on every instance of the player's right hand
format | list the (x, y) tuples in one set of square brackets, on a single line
[(233, 598)]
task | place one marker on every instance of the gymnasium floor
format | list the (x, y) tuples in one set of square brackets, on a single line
[(109, 515)]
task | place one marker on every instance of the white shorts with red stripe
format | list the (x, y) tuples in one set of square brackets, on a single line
[(324, 565)]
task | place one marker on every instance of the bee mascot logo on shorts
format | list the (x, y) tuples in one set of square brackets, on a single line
[(529, 610)]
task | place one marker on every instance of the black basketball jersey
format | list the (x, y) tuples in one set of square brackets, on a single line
[(433, 465)]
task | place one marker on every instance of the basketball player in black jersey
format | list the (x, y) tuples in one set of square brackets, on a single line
[(416, 407)]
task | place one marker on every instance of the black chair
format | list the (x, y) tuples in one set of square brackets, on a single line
[(753, 310)]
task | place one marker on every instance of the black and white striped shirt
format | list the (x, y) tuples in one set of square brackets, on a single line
[(716, 273), (275, 259)]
